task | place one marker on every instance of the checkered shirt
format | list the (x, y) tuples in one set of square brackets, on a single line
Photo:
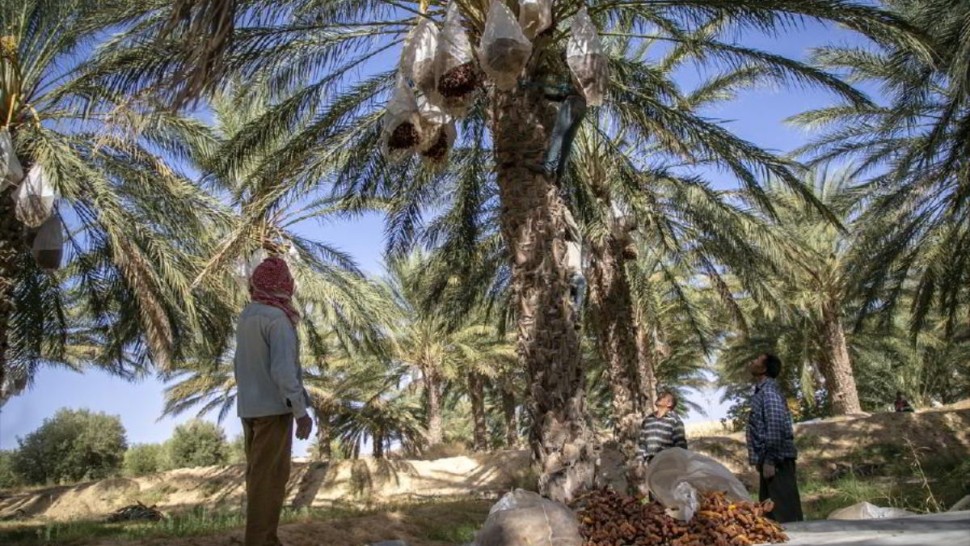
[(770, 436)]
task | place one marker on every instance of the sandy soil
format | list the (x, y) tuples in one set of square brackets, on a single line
[(310, 485)]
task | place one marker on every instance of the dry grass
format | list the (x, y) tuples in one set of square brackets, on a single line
[(704, 429)]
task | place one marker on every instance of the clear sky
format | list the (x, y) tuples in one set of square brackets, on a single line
[(756, 115)]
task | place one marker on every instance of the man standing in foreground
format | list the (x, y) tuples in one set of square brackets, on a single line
[(270, 396), (771, 441)]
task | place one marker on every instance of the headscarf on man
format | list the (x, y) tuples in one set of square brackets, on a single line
[(272, 284)]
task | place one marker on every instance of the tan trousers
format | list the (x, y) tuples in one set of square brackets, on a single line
[(268, 444)]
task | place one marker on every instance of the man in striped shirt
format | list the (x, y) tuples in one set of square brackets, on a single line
[(771, 441), (661, 430)]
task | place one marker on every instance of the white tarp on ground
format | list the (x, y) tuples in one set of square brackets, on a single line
[(946, 529)]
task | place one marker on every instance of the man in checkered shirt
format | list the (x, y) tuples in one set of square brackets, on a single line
[(771, 441)]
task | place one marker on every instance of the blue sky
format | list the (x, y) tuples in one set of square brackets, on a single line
[(757, 115)]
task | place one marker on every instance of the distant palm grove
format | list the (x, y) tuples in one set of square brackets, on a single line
[(152, 151)]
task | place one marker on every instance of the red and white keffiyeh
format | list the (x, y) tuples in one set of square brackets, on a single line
[(272, 284)]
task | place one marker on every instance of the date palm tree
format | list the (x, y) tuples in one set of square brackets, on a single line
[(439, 352), (640, 192), (913, 151), (819, 289), (309, 49), (135, 222)]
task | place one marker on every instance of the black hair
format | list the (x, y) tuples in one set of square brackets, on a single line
[(772, 365), (673, 398)]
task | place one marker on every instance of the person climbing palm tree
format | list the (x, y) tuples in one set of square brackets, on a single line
[(574, 267), (572, 110)]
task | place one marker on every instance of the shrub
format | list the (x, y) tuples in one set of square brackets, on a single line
[(72, 446), (144, 459), (197, 443), (8, 475), (237, 450)]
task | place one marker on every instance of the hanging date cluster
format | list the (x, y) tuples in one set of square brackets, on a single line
[(608, 518)]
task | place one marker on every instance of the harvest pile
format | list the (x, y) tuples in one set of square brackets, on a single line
[(607, 518)]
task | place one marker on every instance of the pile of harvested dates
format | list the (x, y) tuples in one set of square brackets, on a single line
[(607, 518)]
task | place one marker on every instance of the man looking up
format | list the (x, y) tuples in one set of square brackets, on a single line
[(771, 441), (270, 396)]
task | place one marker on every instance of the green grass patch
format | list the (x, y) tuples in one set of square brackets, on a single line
[(932, 485), (459, 534), (454, 520), (819, 498), (196, 522)]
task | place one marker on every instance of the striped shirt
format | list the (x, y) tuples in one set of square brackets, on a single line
[(660, 433), (769, 434)]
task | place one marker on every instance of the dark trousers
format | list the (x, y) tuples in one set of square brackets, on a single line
[(268, 443), (782, 489), (570, 115), (577, 290)]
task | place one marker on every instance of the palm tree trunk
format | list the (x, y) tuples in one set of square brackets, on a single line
[(324, 435), (9, 239), (646, 367), (379, 444), (511, 422), (432, 391), (837, 369), (611, 307), (476, 392), (533, 226)]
